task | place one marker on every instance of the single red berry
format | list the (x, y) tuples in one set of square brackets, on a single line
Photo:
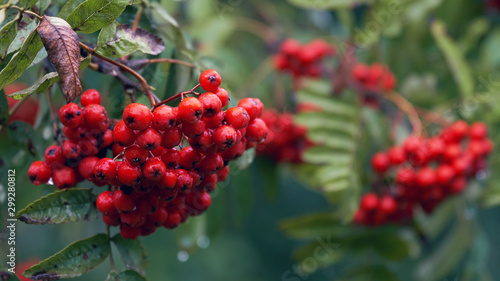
[(256, 131), (459, 130), (215, 121), (75, 134), (173, 220), (222, 174), (86, 167), (154, 169), (159, 217), (169, 180), (194, 129), (117, 149), (39, 172), (149, 139), (135, 155), (94, 115), (360, 72), (223, 95), (171, 138), (208, 183), (210, 80), (234, 151), (113, 220), (388, 205), (71, 115), (64, 177), (184, 180), (458, 185), (210, 163), (195, 174), (147, 203), (426, 177), (412, 144), (237, 117), (381, 162), (224, 137), (405, 176), (290, 47), (190, 110), (462, 164), (252, 106), (211, 104), (129, 232), (137, 116), (164, 118), (203, 142), (199, 200), (444, 175), (452, 151), (70, 149), (388, 81), (397, 155), (91, 96), (88, 147), (189, 157), (123, 202), (478, 131), (105, 203), (132, 218), (105, 169), (54, 156), (280, 62), (369, 202), (123, 135), (106, 139), (436, 147), (128, 174), (171, 157)]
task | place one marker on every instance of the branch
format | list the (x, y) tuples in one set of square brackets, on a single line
[(406, 107)]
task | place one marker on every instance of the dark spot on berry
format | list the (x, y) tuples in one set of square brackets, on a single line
[(198, 114), (212, 78), (51, 152), (78, 113), (100, 175), (32, 178), (69, 116), (171, 122), (130, 120), (156, 173), (127, 189)]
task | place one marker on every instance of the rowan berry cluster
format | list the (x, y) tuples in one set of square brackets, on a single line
[(286, 141), (302, 60), (373, 78), (424, 172), (168, 161)]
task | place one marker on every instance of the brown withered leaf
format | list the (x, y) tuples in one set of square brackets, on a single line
[(61, 43)]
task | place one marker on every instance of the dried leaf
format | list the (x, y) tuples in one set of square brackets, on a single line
[(61, 43)]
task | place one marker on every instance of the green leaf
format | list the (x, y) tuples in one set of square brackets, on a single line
[(370, 272), (74, 260), (43, 5), (118, 40), (4, 109), (132, 252), (70, 205), (92, 15), (455, 58), (327, 4), (128, 275), (312, 226), (69, 7), (21, 36), (7, 35), (21, 60), (448, 254), (23, 136), (28, 4), (45, 82)]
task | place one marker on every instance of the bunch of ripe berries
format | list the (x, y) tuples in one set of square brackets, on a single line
[(166, 160), (424, 172), (302, 60), (373, 78)]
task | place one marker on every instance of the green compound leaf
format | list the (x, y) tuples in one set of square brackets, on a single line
[(118, 40), (92, 15), (74, 260), (28, 4), (22, 59), (7, 35), (132, 252), (70, 205), (455, 58)]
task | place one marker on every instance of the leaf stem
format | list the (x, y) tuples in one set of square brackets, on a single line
[(55, 129), (176, 96), (160, 60), (137, 18), (23, 11), (406, 107), (146, 88), (111, 260)]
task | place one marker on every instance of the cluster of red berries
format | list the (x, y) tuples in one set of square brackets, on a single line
[(88, 136), (373, 78), (302, 60), (425, 172), (166, 161), (286, 141)]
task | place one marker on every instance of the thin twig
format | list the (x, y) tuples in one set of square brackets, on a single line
[(111, 260), (55, 129), (176, 96), (433, 117), (159, 60), (137, 18), (408, 109), (145, 86)]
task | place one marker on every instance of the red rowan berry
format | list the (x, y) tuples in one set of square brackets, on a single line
[(369, 202), (194, 129), (252, 106), (164, 117), (223, 95), (388, 205), (39, 172), (444, 175), (203, 142), (128, 174), (222, 174), (210, 80), (106, 139), (123, 135), (405, 176), (184, 180), (210, 163), (211, 104), (215, 121), (190, 110), (64, 177), (189, 157), (159, 217), (154, 169), (71, 115), (113, 220), (171, 157), (131, 218), (478, 131), (381, 162), (147, 204), (75, 134), (169, 180), (94, 115), (117, 149), (137, 116), (91, 96), (129, 232), (171, 138), (105, 169), (54, 156), (105, 203), (224, 137), (397, 155), (173, 220), (123, 202), (70, 149), (426, 177), (237, 117), (135, 155), (256, 131), (459, 130), (149, 139)]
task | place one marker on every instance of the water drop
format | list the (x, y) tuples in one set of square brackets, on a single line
[(183, 256), (203, 242)]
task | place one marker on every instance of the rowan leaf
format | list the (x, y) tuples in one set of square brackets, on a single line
[(74, 260), (132, 252), (7, 35), (61, 43)]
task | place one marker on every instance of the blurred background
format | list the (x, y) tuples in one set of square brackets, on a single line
[(252, 230)]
